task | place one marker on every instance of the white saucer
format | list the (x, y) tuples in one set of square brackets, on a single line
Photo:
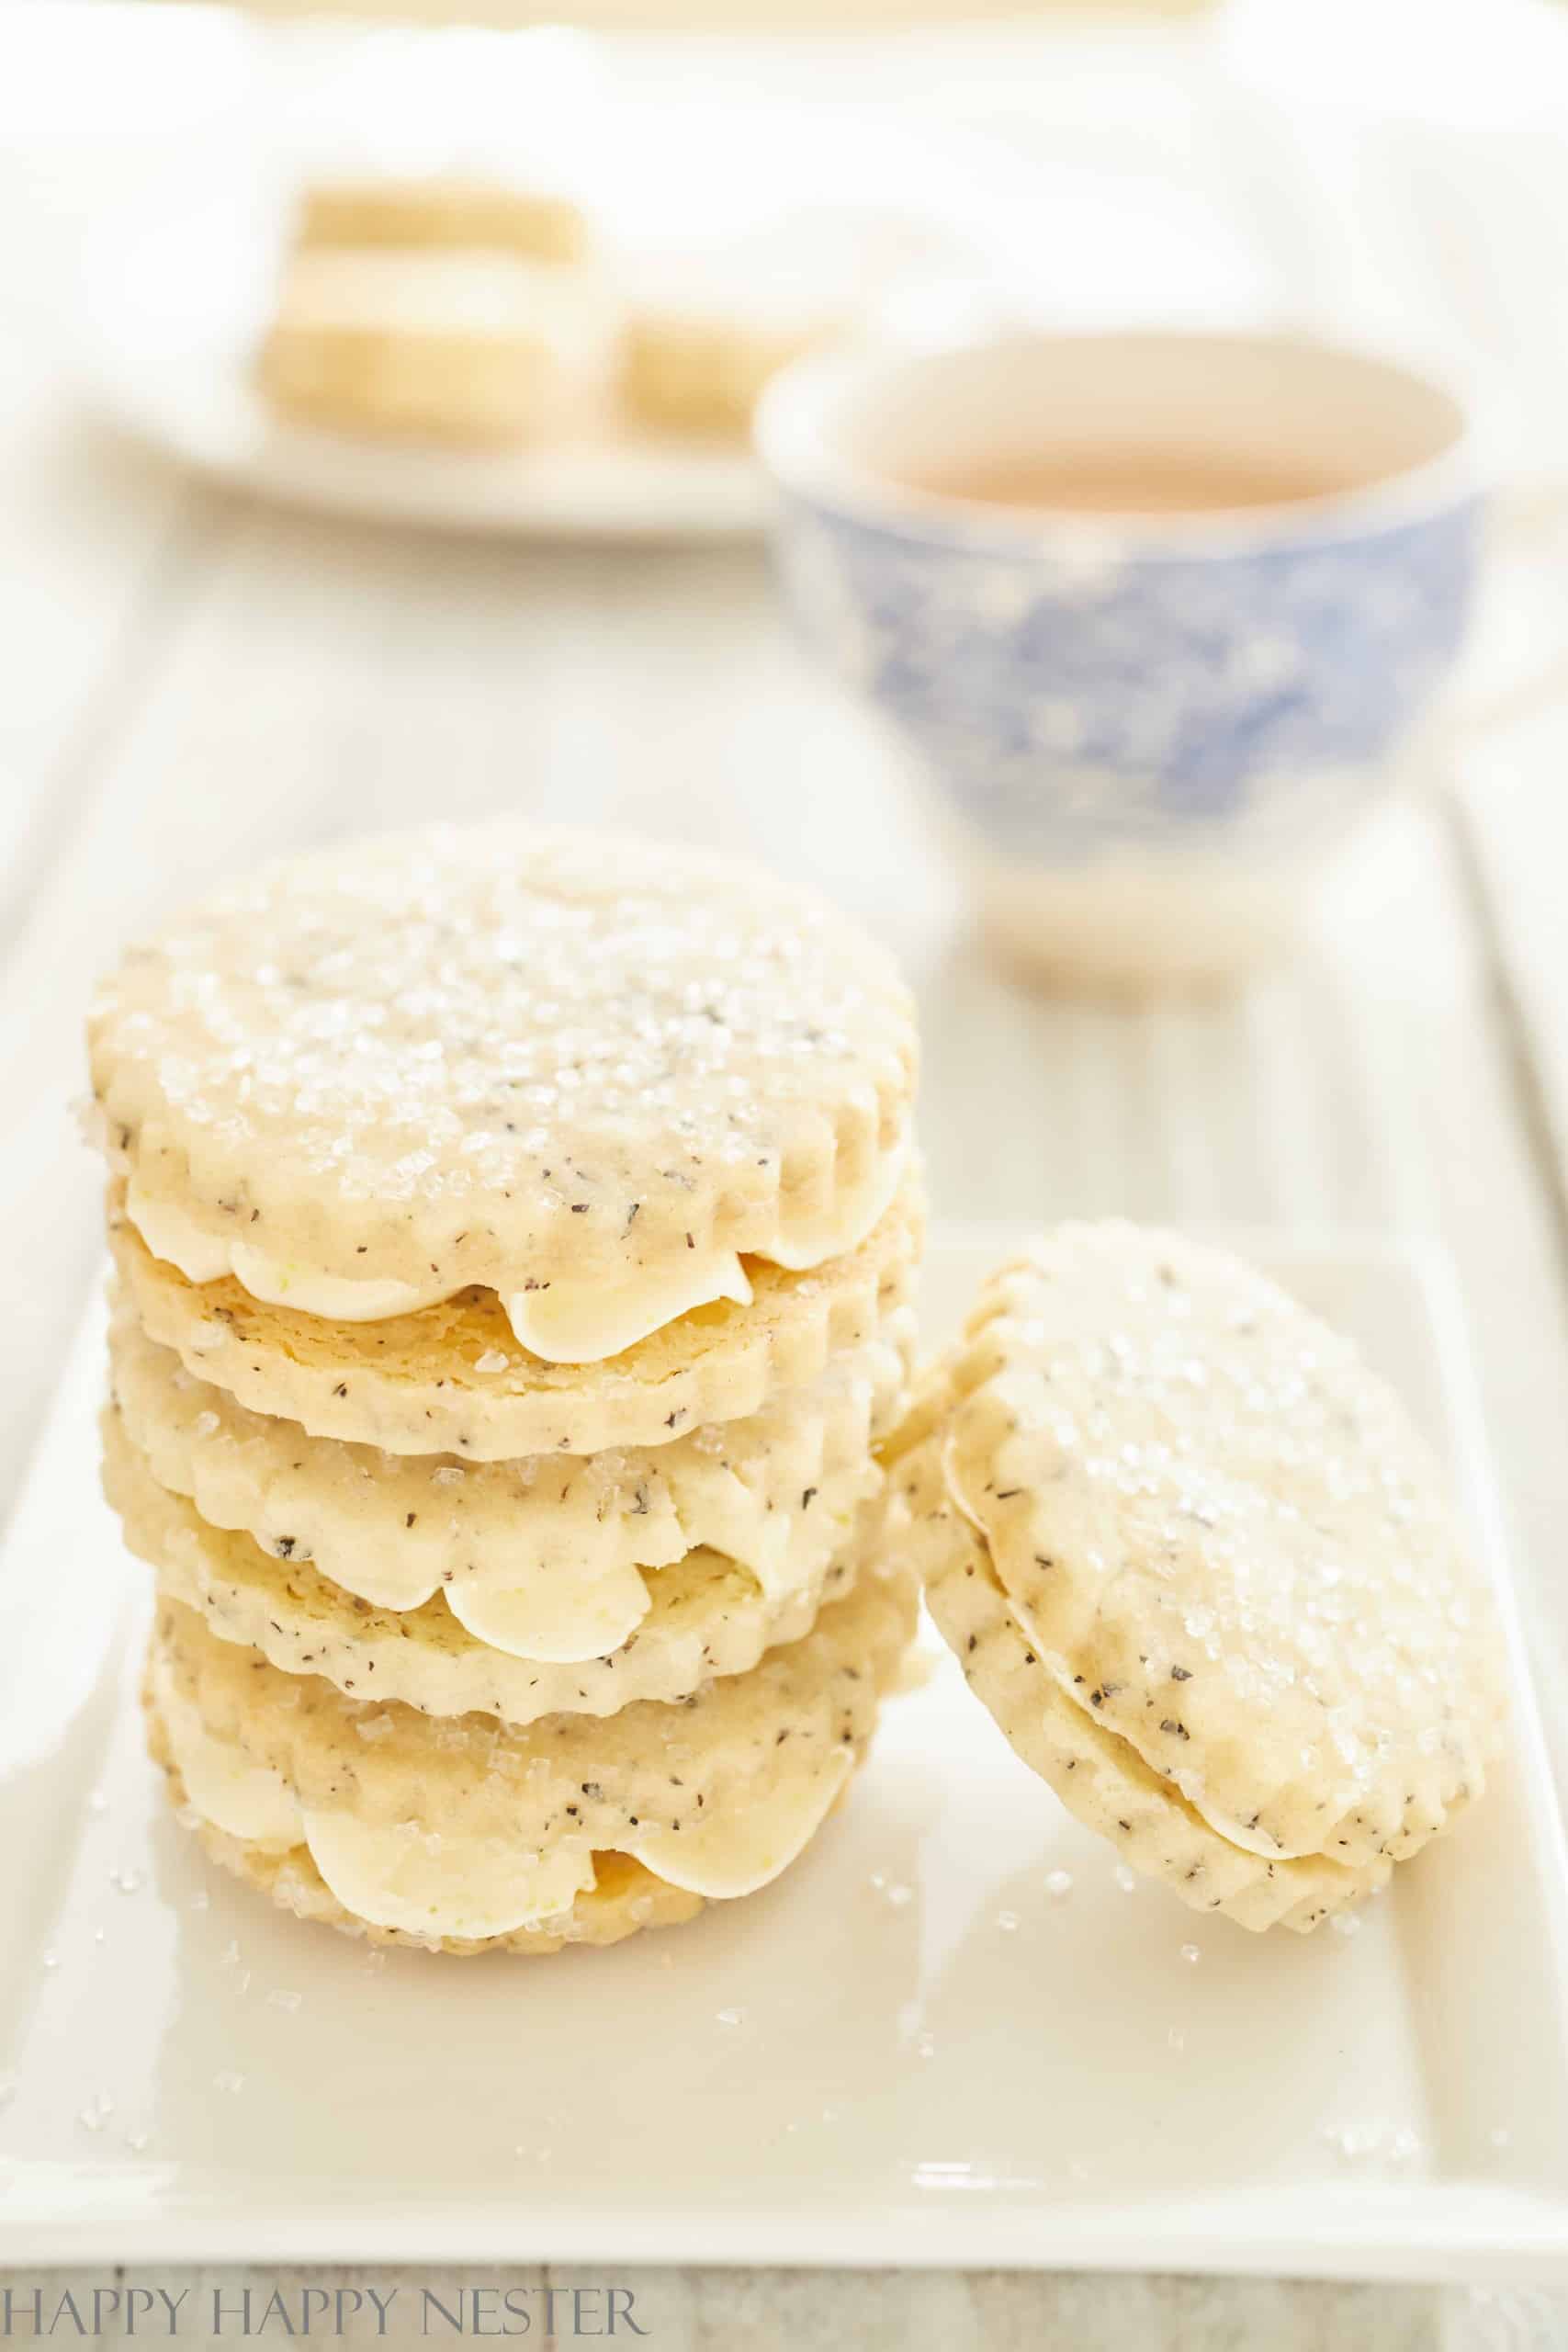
[(173, 303)]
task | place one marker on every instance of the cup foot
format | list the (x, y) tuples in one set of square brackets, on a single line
[(1133, 924)]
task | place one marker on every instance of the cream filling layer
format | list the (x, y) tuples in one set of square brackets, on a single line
[(736, 1854), (561, 1620), (247, 1800), (398, 1875), (560, 1322), (437, 1883), (584, 1322)]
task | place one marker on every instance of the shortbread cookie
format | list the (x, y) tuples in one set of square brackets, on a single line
[(451, 1379), (459, 347), (600, 1079), (695, 371), (624, 1899), (708, 327), (547, 1558), (1227, 1544), (1100, 1778), (1226, 1539), (442, 211), (705, 1616), (466, 1829)]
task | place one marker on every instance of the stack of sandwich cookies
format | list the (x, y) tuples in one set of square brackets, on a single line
[(515, 1237), (1198, 1565)]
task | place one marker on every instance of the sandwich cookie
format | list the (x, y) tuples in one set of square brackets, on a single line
[(450, 1378), (462, 1832), (547, 1558), (599, 1080), (1100, 1780), (704, 1615), (1195, 1557), (464, 348)]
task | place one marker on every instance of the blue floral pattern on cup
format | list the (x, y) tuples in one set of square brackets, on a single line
[(1066, 700)]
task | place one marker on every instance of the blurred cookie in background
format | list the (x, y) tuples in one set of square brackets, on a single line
[(698, 359), (471, 312), (468, 347), (443, 210), (707, 328), (448, 309)]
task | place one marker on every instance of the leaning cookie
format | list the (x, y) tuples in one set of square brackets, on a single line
[(463, 1831), (1200, 1567), (1227, 1544), (1100, 1780)]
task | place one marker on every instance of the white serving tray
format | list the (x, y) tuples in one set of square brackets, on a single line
[(932, 2062)]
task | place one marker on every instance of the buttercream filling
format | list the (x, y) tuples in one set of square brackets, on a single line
[(247, 1800), (808, 1237), (582, 1323), (562, 1620), (736, 1853), (559, 1321), (397, 1874)]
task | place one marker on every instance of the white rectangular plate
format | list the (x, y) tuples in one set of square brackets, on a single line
[(907, 2051)]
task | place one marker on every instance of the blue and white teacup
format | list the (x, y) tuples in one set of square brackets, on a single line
[(1150, 726)]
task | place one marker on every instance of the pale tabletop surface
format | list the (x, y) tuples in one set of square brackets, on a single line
[(193, 681)]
